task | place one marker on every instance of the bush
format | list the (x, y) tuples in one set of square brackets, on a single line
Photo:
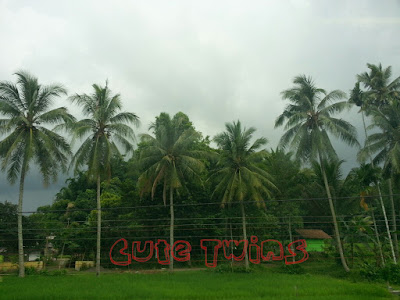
[(389, 273), (34, 271), (31, 271), (292, 269), (58, 272), (227, 268)]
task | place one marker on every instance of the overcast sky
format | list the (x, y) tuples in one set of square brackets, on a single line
[(216, 61)]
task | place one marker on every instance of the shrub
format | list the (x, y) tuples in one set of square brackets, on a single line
[(31, 271), (227, 268), (34, 271), (292, 269), (389, 273)]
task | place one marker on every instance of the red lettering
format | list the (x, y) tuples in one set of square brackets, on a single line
[(226, 243), (137, 245), (301, 247), (253, 244), (182, 248), (271, 253), (121, 251), (215, 256), (166, 252)]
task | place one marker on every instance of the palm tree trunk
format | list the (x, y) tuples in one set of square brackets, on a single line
[(378, 240), (365, 127), (230, 227), (98, 248), (291, 236), (171, 229), (246, 255), (335, 224), (20, 237), (387, 225), (394, 225)]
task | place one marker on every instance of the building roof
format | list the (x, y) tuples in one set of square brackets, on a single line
[(313, 234)]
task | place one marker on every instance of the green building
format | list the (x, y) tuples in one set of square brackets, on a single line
[(315, 238)]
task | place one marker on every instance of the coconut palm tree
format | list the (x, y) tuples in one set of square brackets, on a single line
[(105, 129), (26, 109), (308, 120), (380, 90), (239, 174), (386, 145), (168, 159)]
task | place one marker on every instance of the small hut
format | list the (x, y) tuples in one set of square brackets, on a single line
[(315, 238)]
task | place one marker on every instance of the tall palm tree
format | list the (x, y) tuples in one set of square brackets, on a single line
[(26, 107), (169, 158), (308, 122), (239, 174), (104, 131), (387, 146), (380, 92)]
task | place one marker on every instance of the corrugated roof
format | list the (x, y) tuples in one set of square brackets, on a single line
[(313, 234)]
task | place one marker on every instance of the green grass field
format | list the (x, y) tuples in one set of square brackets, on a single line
[(188, 285)]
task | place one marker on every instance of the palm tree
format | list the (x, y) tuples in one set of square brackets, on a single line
[(308, 122), (387, 146), (168, 159), (380, 91), (239, 174), (26, 108), (105, 128)]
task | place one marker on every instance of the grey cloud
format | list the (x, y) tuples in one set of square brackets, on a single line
[(217, 61)]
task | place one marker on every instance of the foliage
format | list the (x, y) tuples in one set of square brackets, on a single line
[(104, 129), (386, 142), (240, 174), (26, 106), (228, 268), (34, 271), (308, 120), (169, 158), (380, 90), (292, 269), (389, 273)]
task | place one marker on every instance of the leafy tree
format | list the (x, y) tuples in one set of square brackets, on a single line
[(308, 122), (168, 159), (26, 109), (105, 128), (239, 172)]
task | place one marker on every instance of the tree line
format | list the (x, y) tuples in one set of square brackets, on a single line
[(176, 163)]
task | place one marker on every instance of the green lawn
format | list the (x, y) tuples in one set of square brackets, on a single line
[(188, 285)]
